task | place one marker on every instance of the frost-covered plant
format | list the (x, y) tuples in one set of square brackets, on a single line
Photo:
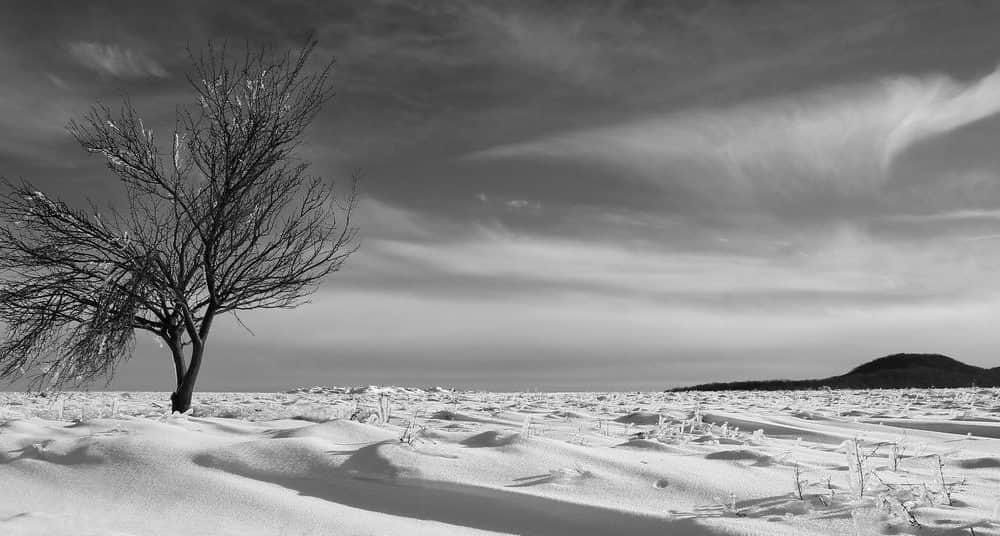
[(947, 489), (363, 411), (856, 467), (831, 491), (901, 509), (412, 431), (602, 427), (384, 409), (798, 482)]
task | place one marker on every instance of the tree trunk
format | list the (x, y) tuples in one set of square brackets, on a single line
[(180, 367), (180, 399)]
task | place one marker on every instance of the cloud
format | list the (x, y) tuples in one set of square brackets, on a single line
[(546, 303), (949, 216), (564, 45), (843, 267), (621, 50), (828, 143), (937, 105), (116, 60), (533, 337), (523, 204)]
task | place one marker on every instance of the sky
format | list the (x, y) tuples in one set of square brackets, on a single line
[(583, 195)]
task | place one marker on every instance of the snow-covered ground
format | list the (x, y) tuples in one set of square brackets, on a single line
[(394, 461)]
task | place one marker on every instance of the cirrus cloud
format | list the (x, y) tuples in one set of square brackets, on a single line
[(838, 142), (116, 60)]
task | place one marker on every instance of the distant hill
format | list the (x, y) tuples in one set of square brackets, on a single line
[(897, 371)]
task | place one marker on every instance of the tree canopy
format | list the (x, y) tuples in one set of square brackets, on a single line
[(221, 218)]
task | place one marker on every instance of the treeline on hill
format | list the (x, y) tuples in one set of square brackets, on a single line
[(897, 371)]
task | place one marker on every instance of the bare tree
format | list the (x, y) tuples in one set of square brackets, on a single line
[(225, 219)]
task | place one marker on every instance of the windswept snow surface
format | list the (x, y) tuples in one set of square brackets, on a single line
[(387, 461)]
